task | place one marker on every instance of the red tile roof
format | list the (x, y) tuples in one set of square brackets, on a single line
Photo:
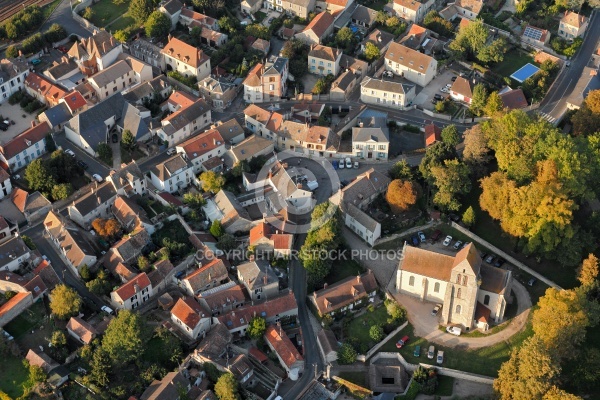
[(19, 198), (36, 286), (482, 313), (20, 142), (181, 99), (138, 283), (74, 100), (202, 144), (432, 134), (344, 292), (514, 99), (282, 345), (13, 302), (282, 241), (320, 23), (188, 311), (241, 316), (260, 231), (259, 355)]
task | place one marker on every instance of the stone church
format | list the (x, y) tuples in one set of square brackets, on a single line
[(472, 293)]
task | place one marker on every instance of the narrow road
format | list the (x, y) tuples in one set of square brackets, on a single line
[(554, 105), (62, 15)]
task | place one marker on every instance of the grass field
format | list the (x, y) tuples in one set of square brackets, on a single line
[(105, 11), (343, 269), (359, 327), (513, 60), (13, 376), (122, 23), (27, 320), (484, 361), (359, 378)]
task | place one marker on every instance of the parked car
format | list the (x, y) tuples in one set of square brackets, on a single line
[(3, 126), (344, 183), (36, 61), (444, 90), (82, 164), (454, 78), (532, 282), (402, 342), (271, 20), (490, 259), (447, 241), (440, 357), (97, 178), (438, 97), (63, 49), (436, 236), (484, 256), (415, 241), (499, 262), (457, 245), (107, 310), (465, 244), (171, 151), (422, 237), (431, 352), (7, 335), (454, 217), (356, 165), (335, 164), (436, 309), (417, 351), (348, 163), (69, 152), (454, 330)]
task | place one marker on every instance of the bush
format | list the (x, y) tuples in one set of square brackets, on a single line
[(16, 97), (27, 240), (187, 81)]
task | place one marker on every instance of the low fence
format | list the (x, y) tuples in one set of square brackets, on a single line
[(504, 255), (406, 232), (437, 115), (365, 357), (440, 370)]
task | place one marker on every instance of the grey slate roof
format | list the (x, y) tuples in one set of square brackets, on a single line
[(12, 249), (90, 123), (343, 81), (173, 6), (275, 66), (91, 200), (133, 121), (254, 274), (390, 86), (165, 170), (58, 71), (230, 129), (380, 135), (147, 89), (364, 15), (58, 114), (112, 73)]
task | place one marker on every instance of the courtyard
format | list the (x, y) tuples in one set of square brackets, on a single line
[(15, 113)]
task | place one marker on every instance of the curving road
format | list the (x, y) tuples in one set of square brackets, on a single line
[(62, 15), (554, 105)]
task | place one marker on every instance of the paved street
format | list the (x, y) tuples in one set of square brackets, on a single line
[(62, 16), (555, 103), (94, 166)]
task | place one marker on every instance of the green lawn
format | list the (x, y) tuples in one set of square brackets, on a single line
[(359, 326), (13, 376), (374, 4), (513, 60), (106, 11), (27, 320), (343, 269), (484, 361), (122, 23), (359, 378)]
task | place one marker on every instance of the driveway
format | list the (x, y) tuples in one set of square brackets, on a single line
[(426, 325), (426, 94), (62, 15)]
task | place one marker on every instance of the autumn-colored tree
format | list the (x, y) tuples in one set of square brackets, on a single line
[(469, 217), (561, 314), (592, 101), (558, 394), (476, 152), (530, 372), (588, 272), (143, 263), (64, 302), (106, 227), (401, 195), (212, 181)]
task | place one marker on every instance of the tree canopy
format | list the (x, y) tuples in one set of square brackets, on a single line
[(257, 327), (126, 337), (64, 302), (140, 10), (451, 180), (226, 387), (401, 195), (450, 135), (157, 25), (212, 181)]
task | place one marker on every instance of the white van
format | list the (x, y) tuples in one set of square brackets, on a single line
[(348, 162), (171, 151), (107, 310)]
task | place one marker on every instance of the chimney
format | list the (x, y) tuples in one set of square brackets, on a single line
[(358, 278), (170, 37), (325, 285), (33, 123), (265, 279)]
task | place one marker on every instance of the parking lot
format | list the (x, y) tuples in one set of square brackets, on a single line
[(270, 15), (425, 96), (14, 112)]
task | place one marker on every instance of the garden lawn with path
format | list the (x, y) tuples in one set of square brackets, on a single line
[(513, 60), (358, 329), (122, 23), (105, 11), (483, 361)]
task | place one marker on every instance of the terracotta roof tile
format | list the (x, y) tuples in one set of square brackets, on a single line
[(74, 100), (202, 144), (241, 316), (344, 292), (433, 134), (138, 283), (36, 286), (515, 99), (283, 346), (19, 198), (408, 57), (482, 313), (185, 53), (573, 19), (320, 24), (19, 143), (427, 263), (188, 311)]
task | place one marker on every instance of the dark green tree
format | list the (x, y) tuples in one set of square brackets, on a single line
[(158, 25), (450, 135), (216, 229), (128, 140), (125, 337), (257, 327), (104, 153), (12, 51), (346, 354), (140, 10)]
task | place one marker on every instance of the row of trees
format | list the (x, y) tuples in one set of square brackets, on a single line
[(21, 23), (38, 41), (547, 364), (52, 176)]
